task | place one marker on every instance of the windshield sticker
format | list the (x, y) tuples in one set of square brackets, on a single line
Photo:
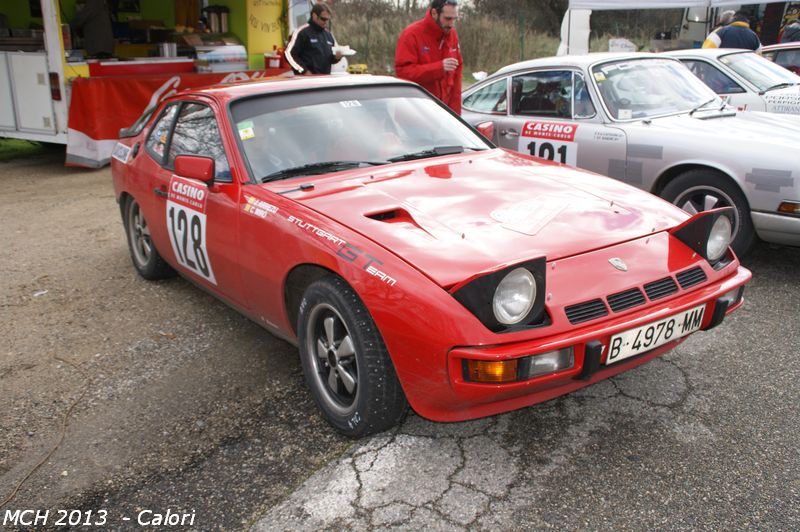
[(625, 114), (350, 103), (257, 207), (599, 76), (186, 224), (246, 131), (121, 152), (554, 141)]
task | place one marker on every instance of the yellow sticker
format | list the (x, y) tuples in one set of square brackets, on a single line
[(599, 76)]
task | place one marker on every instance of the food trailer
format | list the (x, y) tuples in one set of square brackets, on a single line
[(51, 92)]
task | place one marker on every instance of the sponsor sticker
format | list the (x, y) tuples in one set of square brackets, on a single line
[(257, 207), (554, 141), (121, 152)]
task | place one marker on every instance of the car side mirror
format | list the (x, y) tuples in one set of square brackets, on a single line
[(195, 167), (486, 129)]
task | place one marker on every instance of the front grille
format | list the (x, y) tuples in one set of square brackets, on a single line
[(586, 311), (691, 277), (661, 288), (627, 299)]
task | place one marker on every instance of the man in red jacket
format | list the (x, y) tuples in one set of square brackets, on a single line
[(428, 53)]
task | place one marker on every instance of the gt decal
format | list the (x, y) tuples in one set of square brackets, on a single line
[(554, 141), (186, 224), (352, 254)]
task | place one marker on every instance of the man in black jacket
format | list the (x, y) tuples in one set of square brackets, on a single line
[(310, 50)]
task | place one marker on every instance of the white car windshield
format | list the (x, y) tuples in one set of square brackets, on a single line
[(645, 88), (762, 73), (315, 131)]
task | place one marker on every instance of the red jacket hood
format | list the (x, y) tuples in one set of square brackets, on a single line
[(456, 216)]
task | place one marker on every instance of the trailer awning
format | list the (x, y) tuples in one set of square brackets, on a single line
[(656, 4)]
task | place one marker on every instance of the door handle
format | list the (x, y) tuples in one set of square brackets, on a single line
[(158, 192), (509, 132)]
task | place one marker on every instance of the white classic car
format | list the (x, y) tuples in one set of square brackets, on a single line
[(645, 119), (744, 79)]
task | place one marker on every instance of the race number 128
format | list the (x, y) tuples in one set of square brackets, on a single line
[(187, 233)]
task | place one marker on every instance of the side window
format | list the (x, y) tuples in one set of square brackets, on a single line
[(716, 80), (789, 59), (157, 140), (542, 94), (196, 133), (490, 99), (584, 108)]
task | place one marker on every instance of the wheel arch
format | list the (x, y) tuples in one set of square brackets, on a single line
[(671, 173), (297, 280), (122, 201)]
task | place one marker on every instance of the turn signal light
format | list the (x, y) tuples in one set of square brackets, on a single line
[(789, 207), (492, 370), (55, 87)]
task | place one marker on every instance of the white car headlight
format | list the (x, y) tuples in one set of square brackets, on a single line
[(719, 238), (514, 296)]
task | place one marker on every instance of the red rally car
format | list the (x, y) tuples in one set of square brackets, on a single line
[(411, 261)]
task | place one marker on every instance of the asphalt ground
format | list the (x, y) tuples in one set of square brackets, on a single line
[(183, 405)]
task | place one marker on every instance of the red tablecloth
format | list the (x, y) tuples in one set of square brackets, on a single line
[(100, 106)]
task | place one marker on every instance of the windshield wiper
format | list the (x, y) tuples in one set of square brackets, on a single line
[(317, 168), (778, 86), (433, 152), (701, 106)]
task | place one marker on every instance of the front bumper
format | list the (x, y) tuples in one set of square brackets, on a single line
[(777, 228), (590, 346)]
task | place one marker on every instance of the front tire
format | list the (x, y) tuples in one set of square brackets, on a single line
[(702, 190), (345, 362), (143, 252)]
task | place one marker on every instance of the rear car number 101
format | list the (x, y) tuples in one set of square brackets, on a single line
[(652, 335)]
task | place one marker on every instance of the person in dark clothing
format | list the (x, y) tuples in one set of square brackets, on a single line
[(791, 32), (94, 20), (737, 34), (310, 50)]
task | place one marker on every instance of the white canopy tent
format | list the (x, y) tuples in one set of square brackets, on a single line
[(575, 27)]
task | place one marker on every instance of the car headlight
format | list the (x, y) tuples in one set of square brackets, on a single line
[(514, 296), (509, 299), (709, 234), (719, 238)]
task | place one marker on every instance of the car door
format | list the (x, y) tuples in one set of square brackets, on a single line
[(557, 118), (725, 85), (197, 221)]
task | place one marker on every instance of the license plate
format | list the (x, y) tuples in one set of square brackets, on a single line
[(652, 335)]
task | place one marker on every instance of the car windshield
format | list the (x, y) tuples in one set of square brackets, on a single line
[(762, 73), (318, 131), (645, 88)]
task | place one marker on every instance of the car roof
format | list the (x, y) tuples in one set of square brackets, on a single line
[(781, 46), (707, 52), (239, 89), (579, 61)]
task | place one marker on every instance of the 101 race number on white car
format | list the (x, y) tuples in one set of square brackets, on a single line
[(554, 141), (186, 224)]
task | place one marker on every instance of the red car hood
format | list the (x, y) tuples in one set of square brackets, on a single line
[(455, 216)]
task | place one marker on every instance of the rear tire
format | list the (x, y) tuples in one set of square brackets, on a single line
[(702, 190), (144, 255), (346, 364)]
